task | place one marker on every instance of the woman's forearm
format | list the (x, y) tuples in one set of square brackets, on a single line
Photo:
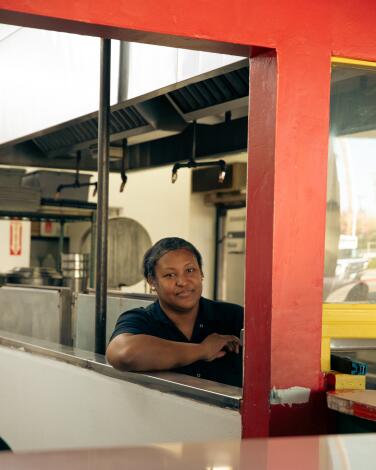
[(144, 352)]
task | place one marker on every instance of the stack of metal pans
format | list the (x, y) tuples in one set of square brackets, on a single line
[(13, 197), (34, 276), (75, 270), (19, 199)]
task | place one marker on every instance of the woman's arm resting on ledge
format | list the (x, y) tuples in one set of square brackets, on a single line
[(143, 352)]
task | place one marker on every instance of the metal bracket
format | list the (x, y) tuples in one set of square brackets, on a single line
[(124, 177), (192, 163), (76, 183)]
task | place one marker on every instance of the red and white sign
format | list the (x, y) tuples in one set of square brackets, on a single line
[(15, 239), (49, 229)]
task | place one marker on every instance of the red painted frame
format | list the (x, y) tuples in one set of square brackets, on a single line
[(288, 139), (259, 265)]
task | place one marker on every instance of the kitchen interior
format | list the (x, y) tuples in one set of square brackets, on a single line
[(52, 211), (60, 248), (177, 168)]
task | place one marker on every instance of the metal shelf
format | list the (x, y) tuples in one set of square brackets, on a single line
[(60, 210)]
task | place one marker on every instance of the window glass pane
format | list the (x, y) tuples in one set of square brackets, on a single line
[(350, 244)]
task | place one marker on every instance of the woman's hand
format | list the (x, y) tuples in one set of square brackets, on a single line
[(215, 346)]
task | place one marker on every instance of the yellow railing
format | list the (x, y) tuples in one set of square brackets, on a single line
[(346, 321), (355, 62)]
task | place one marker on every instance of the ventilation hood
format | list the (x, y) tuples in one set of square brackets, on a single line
[(157, 126)]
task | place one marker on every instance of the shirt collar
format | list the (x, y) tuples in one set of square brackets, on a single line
[(159, 313), (205, 312)]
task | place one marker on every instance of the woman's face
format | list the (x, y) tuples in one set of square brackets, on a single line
[(178, 280)]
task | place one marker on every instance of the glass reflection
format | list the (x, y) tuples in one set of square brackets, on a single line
[(350, 244)]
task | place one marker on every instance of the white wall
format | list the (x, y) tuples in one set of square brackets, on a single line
[(45, 404), (161, 207), (48, 78), (7, 260)]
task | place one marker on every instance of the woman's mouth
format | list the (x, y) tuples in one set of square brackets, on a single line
[(184, 293)]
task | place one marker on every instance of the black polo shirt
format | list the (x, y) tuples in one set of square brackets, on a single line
[(213, 317)]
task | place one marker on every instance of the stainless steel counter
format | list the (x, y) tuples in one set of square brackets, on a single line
[(205, 391), (39, 311)]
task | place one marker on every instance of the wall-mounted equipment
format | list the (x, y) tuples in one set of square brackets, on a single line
[(231, 265), (206, 179)]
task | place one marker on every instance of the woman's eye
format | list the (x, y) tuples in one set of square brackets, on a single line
[(190, 270), (170, 275)]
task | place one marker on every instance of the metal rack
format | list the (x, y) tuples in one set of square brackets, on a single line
[(63, 211), (56, 209)]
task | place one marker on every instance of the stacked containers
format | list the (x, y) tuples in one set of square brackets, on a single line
[(13, 197), (75, 270)]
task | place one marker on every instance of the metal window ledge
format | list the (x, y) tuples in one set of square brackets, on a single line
[(205, 391)]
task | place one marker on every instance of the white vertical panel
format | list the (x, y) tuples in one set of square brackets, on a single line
[(191, 63), (150, 67), (202, 235), (47, 78)]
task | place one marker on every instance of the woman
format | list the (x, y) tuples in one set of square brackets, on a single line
[(182, 330)]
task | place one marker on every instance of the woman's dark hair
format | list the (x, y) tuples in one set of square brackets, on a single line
[(162, 247)]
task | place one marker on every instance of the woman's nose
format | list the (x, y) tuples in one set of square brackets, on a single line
[(180, 280)]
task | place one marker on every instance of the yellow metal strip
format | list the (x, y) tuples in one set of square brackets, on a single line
[(344, 60), (325, 354), (346, 321)]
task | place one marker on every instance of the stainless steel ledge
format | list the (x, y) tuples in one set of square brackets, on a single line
[(205, 391), (356, 344)]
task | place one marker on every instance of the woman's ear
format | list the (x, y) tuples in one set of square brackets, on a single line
[(151, 283)]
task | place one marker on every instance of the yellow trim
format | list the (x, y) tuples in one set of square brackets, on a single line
[(344, 60), (346, 321)]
